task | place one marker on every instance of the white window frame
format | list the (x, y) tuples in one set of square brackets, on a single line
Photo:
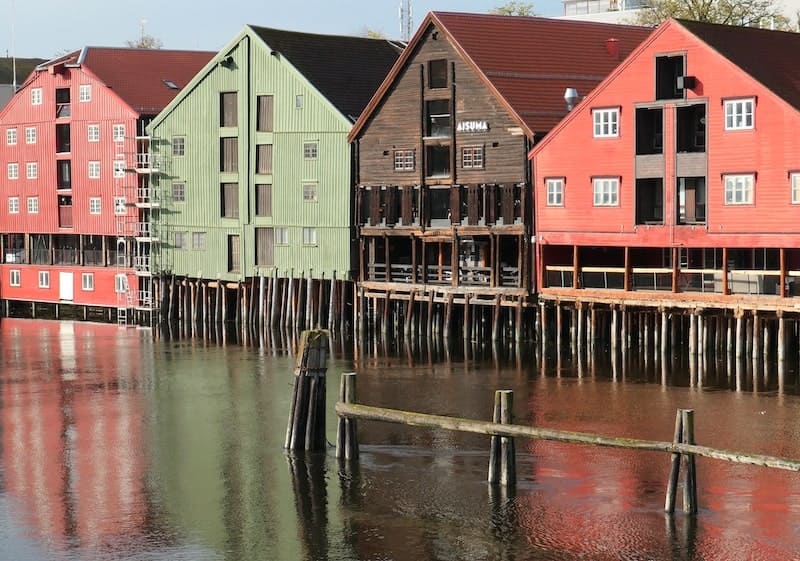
[(31, 170), (33, 205), (199, 241), (554, 189), (36, 96), (85, 93), (310, 192), (281, 234), (181, 240), (299, 101), (118, 132), (13, 205), (95, 205), (11, 136), (94, 169), (310, 150), (120, 283), (795, 185), (87, 282), (178, 146), (120, 205), (93, 133), (30, 135), (179, 188), (472, 157), (740, 114), (404, 160), (15, 277), (13, 170), (119, 169), (739, 188), (605, 122), (309, 236), (44, 279), (605, 191)]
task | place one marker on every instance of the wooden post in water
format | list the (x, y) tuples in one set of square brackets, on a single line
[(675, 466), (684, 434), (306, 427), (346, 433), (502, 456)]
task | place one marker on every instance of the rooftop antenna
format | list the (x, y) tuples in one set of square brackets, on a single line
[(406, 20), (13, 53), (142, 23)]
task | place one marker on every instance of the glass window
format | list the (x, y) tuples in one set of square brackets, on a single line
[(606, 191), (178, 145), (198, 241), (437, 73), (555, 192), (30, 135), (181, 240), (93, 133), (13, 170), (309, 236), (87, 281), (94, 170), (15, 278), (739, 189), (120, 206), (281, 236), (13, 205), (310, 150), (739, 114), (33, 205), (119, 168), (11, 136), (404, 160), (606, 122), (118, 132), (31, 170), (310, 192), (36, 96), (795, 178), (94, 205), (85, 92), (298, 101), (472, 157), (120, 283), (44, 279), (179, 192), (438, 111)]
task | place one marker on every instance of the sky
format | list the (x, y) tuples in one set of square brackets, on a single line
[(47, 28)]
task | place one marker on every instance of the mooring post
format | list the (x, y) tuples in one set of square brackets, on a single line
[(675, 466), (346, 434), (690, 479), (305, 429), (502, 456)]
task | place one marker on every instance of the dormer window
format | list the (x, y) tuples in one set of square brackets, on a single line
[(437, 73), (668, 70)]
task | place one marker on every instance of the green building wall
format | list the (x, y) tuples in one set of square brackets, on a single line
[(248, 67)]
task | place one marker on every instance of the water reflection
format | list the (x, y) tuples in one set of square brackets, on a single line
[(118, 447)]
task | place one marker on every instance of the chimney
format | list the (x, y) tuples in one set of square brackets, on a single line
[(612, 47)]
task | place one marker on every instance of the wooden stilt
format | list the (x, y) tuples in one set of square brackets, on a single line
[(346, 430), (306, 427), (675, 466), (690, 478), (502, 457)]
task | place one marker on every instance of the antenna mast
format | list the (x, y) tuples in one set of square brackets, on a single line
[(406, 20), (13, 52)]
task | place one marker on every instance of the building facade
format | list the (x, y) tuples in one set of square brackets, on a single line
[(443, 188), (676, 183), (75, 166)]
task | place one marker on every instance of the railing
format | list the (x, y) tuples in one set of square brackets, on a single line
[(145, 230), (643, 278), (145, 299), (65, 256), (558, 276), (509, 276), (117, 258), (15, 256), (40, 256), (401, 273), (603, 277), (377, 272), (145, 160), (93, 257), (147, 195), (141, 263), (754, 282), (475, 276), (439, 275)]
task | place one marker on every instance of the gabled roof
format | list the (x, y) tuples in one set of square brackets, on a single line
[(143, 77), (345, 70), (771, 57), (528, 62)]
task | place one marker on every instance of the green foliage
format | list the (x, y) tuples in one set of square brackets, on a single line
[(145, 41), (755, 13), (24, 67), (514, 8)]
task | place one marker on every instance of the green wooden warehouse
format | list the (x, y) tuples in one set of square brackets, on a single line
[(255, 177)]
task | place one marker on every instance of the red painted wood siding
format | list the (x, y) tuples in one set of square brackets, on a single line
[(771, 150), (103, 294)]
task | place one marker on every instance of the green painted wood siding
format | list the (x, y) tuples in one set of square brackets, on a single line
[(250, 70)]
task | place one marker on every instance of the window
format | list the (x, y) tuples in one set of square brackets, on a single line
[(119, 169), (606, 122), (118, 132), (13, 205), (94, 170), (36, 96), (472, 157), (739, 114), (438, 112), (120, 205), (264, 159), (120, 283), (199, 241), (93, 133), (30, 135), (310, 192), (87, 281), (178, 145), (229, 200), (555, 191), (13, 170), (31, 170), (739, 189), (298, 101), (228, 114), (264, 112), (310, 150), (309, 236), (691, 200), (668, 69), (179, 192), (234, 260), (15, 278), (94, 205), (649, 200), (11, 136), (181, 240), (229, 154), (33, 205), (437, 162), (795, 178), (403, 160), (44, 279), (263, 199), (281, 236), (437, 73), (85, 92), (264, 244), (606, 191)]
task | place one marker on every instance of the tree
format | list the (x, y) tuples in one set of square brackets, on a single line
[(145, 41), (751, 13), (514, 8), (373, 33)]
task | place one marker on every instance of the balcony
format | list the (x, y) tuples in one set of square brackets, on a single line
[(145, 231), (93, 257), (15, 256), (146, 197), (65, 256), (40, 256), (141, 264), (146, 162)]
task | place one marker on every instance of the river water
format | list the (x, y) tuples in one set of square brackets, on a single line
[(119, 447)]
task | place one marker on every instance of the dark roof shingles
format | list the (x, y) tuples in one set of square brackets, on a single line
[(346, 70)]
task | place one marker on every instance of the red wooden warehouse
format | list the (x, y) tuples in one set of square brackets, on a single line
[(74, 214), (676, 182)]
